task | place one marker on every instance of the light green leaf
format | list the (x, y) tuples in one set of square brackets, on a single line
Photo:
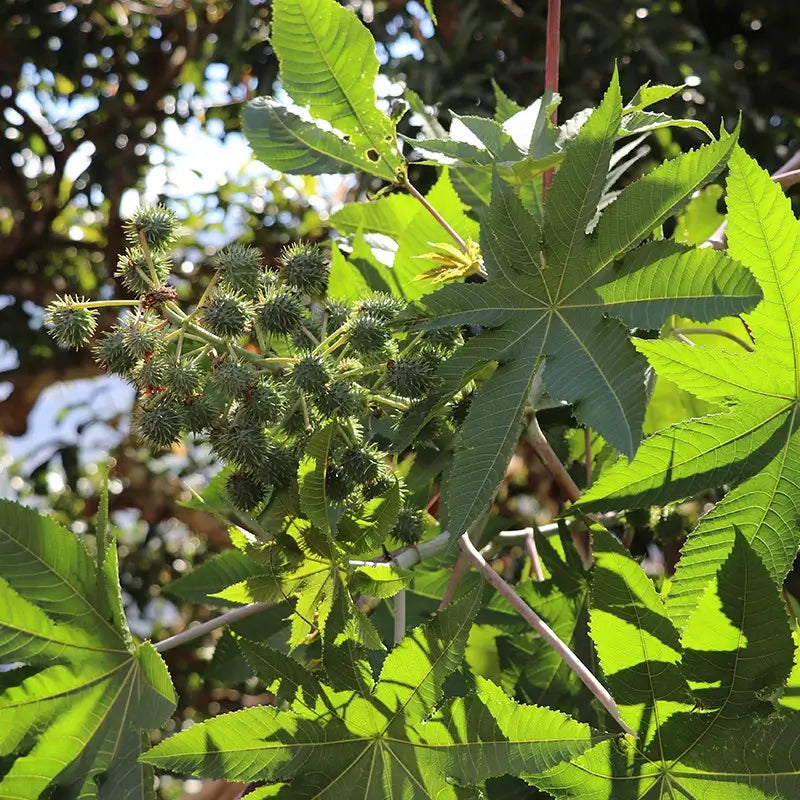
[(212, 576), (701, 706), (328, 64), (86, 690), (753, 447), (285, 140), (311, 478), (383, 743)]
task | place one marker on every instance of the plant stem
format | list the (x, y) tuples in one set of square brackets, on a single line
[(714, 332), (542, 449), (533, 555), (105, 304), (196, 631), (551, 70), (399, 616), (436, 215), (453, 582), (541, 627)]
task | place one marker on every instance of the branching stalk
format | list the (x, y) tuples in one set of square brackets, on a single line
[(196, 631), (544, 630), (436, 215)]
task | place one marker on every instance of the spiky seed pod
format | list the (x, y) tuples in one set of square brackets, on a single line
[(305, 267), (263, 403), (245, 489), (227, 315), (281, 312), (341, 398), (408, 528), (141, 338), (381, 306), (241, 442), (279, 468), (199, 413), (411, 376), (181, 378), (158, 224), (112, 354), (71, 327), (444, 339), (382, 485), (231, 378), (367, 334), (338, 314), (361, 464), (160, 425), (311, 375), (150, 374), (134, 271), (338, 485), (240, 269)]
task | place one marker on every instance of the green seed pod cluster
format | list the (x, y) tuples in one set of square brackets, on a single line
[(260, 362), (113, 354), (305, 267), (70, 325), (241, 269)]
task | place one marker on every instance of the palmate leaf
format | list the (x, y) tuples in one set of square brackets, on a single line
[(555, 292), (74, 710), (754, 444), (380, 741), (698, 702), (328, 66)]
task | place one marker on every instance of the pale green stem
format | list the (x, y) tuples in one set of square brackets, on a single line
[(417, 195)]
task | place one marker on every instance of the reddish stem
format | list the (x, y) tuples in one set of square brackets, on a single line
[(551, 69)]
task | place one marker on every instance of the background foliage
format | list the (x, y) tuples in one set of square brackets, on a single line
[(94, 97)]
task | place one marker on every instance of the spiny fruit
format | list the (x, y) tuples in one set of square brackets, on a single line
[(71, 327), (411, 376), (381, 306), (137, 274), (367, 334), (263, 403), (142, 336), (160, 425), (112, 353), (311, 375), (157, 223), (180, 377), (280, 312), (408, 528), (240, 269), (227, 315), (231, 378), (245, 489), (305, 267)]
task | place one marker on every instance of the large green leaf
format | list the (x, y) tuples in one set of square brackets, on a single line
[(753, 445), (328, 66), (379, 742), (555, 292), (698, 702), (74, 708)]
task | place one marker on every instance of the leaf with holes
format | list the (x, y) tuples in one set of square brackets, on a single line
[(557, 293), (753, 443), (385, 738), (80, 694), (328, 66)]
